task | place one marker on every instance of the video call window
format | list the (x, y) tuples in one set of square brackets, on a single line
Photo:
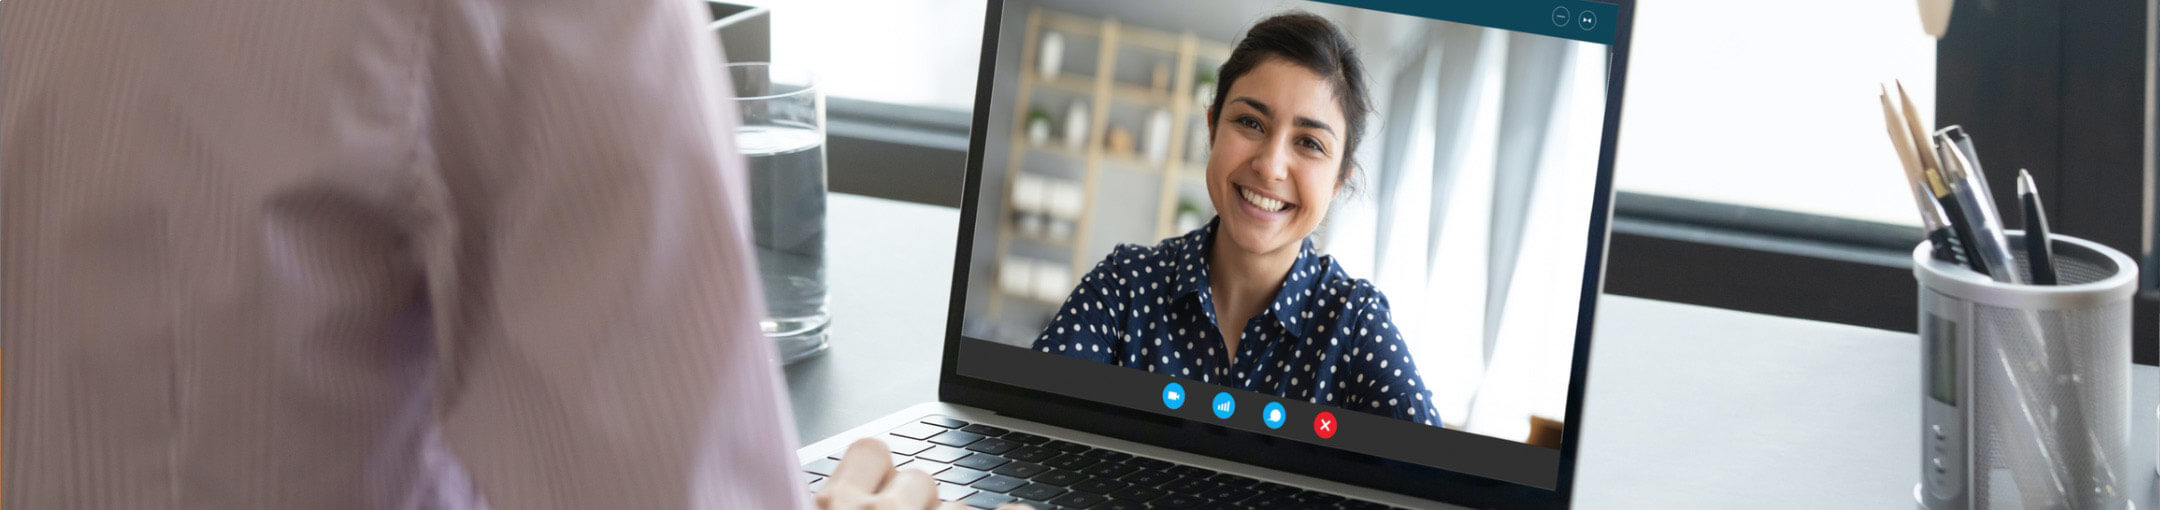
[(1352, 208)]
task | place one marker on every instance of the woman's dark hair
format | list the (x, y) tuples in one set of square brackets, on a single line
[(1316, 44)]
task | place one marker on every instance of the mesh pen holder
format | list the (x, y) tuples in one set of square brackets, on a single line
[(2037, 377)]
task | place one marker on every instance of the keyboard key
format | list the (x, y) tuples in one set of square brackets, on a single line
[(1311, 498), (981, 462), (1024, 438), (821, 467), (924, 466), (943, 421), (1270, 501), (1072, 462), (917, 430), (901, 446), (1021, 469), (1146, 478), (1190, 486), (945, 454), (962, 476), (1100, 486), (1079, 500), (986, 500), (1272, 489), (1138, 494), (1233, 480), (950, 492), (999, 483), (993, 446), (1184, 471), (1031, 453), (1120, 505), (1109, 470), (956, 438), (1035, 503), (985, 430), (1038, 491), (1179, 501), (1066, 447), (897, 458), (1360, 505), (1149, 464), (1227, 494), (1109, 455), (1059, 477)]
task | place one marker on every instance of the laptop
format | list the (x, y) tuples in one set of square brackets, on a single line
[(1399, 208)]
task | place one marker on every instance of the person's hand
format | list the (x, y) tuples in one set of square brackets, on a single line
[(865, 479)]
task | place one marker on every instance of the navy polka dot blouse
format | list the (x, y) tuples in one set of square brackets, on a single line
[(1327, 338)]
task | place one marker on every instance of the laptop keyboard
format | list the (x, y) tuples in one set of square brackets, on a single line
[(984, 466)]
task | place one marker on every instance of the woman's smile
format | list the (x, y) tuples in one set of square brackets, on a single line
[(1264, 204)]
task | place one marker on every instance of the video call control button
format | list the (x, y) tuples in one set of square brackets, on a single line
[(1561, 16), (1588, 19), (1273, 415), (1224, 405), (1173, 396), (1325, 425)]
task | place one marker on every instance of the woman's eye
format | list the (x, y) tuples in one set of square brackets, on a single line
[(1313, 145), (1247, 122)]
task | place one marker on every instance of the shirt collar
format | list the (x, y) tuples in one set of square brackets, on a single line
[(1291, 305)]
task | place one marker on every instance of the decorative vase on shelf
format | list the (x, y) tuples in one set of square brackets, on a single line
[(1052, 56), (1157, 146), (1038, 127), (1076, 123)]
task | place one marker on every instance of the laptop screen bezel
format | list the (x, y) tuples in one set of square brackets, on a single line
[(1240, 446)]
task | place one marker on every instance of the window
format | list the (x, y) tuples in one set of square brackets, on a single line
[(906, 52), (1768, 105)]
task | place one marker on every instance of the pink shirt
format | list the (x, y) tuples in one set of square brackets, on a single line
[(378, 254)]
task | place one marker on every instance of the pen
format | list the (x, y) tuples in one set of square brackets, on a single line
[(1941, 240), (1938, 185), (1961, 167), (2039, 248)]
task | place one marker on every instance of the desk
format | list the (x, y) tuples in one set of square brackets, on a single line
[(1686, 407)]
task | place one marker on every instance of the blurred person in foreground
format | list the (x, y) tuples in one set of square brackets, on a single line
[(384, 254)]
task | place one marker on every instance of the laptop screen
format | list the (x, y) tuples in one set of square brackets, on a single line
[(1373, 227)]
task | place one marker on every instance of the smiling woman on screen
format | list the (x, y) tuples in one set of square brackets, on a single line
[(1245, 301)]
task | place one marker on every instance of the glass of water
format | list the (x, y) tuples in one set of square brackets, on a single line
[(783, 137)]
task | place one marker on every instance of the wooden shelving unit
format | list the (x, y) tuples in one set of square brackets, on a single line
[(1102, 90)]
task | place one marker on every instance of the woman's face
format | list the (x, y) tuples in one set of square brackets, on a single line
[(1275, 156)]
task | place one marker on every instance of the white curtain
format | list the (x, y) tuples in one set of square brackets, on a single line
[(1474, 215)]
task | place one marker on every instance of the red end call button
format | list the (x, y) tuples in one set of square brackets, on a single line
[(1324, 425)]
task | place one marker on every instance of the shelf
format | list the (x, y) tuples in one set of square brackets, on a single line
[(1146, 192), (1068, 82), (1055, 147), (1072, 24), (1134, 162), (1143, 95)]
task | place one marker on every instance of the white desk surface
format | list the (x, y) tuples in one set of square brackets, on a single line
[(1686, 407)]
